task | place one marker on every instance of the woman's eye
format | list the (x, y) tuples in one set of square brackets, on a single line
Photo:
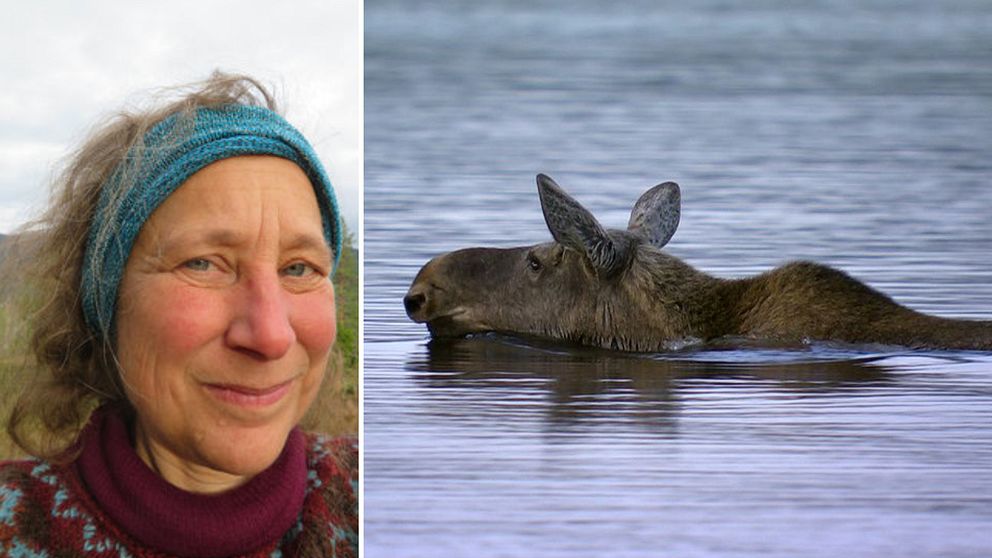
[(197, 264), (298, 269)]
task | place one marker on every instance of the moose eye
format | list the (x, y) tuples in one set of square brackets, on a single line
[(533, 263)]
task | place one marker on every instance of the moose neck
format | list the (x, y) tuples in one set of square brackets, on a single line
[(661, 302)]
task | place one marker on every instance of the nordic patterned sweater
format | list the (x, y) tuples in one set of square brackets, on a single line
[(108, 503)]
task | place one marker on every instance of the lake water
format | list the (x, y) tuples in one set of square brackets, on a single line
[(857, 134)]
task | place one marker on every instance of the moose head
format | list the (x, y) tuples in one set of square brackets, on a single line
[(582, 286)]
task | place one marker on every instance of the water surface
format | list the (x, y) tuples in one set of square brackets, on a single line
[(855, 134)]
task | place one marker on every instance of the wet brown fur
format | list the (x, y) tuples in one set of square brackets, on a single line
[(658, 301), (617, 289)]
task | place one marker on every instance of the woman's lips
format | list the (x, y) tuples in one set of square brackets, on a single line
[(245, 396)]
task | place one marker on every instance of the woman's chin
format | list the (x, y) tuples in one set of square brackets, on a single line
[(244, 452)]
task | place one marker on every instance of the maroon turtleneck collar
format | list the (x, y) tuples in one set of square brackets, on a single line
[(174, 521)]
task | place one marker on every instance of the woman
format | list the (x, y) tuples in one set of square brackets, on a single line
[(190, 250)]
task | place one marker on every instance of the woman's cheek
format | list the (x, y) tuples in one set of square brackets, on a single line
[(188, 316), (314, 320)]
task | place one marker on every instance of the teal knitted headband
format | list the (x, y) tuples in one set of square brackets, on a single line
[(173, 150)]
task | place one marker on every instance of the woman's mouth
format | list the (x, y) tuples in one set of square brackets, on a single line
[(245, 396)]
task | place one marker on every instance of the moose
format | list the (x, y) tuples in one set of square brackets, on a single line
[(617, 289)]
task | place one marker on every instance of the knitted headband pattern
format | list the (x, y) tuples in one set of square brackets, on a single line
[(171, 152)]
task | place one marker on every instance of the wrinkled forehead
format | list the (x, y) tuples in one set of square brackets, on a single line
[(233, 201)]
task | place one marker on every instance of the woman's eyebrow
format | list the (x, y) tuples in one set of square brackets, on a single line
[(228, 238), (307, 242), (209, 237)]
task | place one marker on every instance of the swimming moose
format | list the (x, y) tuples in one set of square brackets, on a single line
[(617, 289)]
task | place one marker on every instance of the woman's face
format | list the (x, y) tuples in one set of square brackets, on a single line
[(225, 321)]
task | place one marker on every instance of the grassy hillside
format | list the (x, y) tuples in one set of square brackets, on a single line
[(336, 408)]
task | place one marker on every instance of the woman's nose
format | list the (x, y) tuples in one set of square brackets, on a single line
[(261, 323)]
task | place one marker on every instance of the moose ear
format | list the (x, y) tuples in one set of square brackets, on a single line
[(573, 226), (656, 214)]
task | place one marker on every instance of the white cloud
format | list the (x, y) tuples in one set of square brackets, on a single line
[(69, 63)]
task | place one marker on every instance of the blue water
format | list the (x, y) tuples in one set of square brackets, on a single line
[(857, 134)]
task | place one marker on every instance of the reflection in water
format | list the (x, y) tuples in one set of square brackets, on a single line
[(497, 446), (593, 384)]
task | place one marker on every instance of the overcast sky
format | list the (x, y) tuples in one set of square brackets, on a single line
[(66, 64)]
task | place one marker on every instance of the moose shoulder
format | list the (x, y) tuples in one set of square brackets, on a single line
[(617, 289)]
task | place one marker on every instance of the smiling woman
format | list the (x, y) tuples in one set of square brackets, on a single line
[(223, 322), (190, 250)]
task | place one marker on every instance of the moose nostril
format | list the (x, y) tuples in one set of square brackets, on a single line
[(413, 303)]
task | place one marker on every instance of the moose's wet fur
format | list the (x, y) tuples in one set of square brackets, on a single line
[(617, 289)]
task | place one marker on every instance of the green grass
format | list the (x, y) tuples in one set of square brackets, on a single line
[(12, 360)]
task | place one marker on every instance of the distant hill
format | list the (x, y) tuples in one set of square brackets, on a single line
[(14, 250), (7, 242)]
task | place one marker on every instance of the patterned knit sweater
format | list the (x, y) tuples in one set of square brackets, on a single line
[(62, 511)]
